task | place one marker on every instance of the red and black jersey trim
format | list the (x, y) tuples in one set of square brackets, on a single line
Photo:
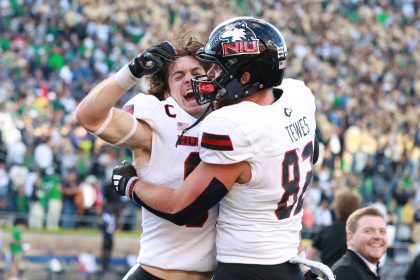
[(216, 142)]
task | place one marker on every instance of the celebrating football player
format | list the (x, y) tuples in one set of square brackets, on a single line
[(151, 125)]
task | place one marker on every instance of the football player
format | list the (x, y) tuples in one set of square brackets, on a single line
[(257, 152), (150, 125)]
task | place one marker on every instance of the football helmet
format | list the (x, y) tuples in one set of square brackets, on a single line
[(238, 45)]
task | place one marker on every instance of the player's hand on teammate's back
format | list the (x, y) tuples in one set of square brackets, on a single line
[(152, 59), (123, 176)]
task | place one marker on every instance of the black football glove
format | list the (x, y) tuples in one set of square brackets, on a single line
[(312, 276), (124, 176), (152, 59)]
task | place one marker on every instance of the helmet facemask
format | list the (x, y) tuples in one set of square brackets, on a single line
[(224, 86)]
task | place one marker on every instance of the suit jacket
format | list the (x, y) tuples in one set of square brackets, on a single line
[(351, 267), (413, 272)]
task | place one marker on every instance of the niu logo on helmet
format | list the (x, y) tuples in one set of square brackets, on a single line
[(239, 39)]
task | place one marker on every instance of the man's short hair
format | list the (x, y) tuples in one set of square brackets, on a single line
[(351, 225), (345, 202)]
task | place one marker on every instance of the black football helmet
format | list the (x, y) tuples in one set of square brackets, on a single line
[(238, 45)]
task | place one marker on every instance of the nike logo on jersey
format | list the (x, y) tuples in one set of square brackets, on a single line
[(298, 129), (216, 142), (287, 112)]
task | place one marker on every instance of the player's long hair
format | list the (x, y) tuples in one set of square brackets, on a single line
[(186, 45)]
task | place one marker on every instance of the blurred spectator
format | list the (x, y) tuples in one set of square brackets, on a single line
[(379, 204), (322, 214), (407, 212), (87, 264), (43, 155), (307, 222), (330, 242), (52, 184), (4, 186), (88, 200), (33, 176), (16, 251), (3, 251), (108, 228), (3, 150), (18, 175), (55, 269), (112, 198), (16, 149), (70, 188), (416, 227), (38, 203)]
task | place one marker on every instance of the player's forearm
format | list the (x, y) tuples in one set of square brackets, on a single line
[(94, 110), (162, 202), (171, 204), (201, 190), (157, 197), (95, 107)]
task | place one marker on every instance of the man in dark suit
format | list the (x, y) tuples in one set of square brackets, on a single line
[(366, 244)]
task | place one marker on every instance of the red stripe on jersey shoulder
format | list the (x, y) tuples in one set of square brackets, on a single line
[(216, 142)]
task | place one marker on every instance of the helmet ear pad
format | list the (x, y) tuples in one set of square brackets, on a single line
[(235, 89)]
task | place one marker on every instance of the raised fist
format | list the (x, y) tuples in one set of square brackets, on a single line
[(152, 59)]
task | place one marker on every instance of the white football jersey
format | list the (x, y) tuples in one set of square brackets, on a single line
[(260, 222), (164, 244)]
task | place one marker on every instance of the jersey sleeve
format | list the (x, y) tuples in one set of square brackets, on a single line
[(143, 106), (223, 142)]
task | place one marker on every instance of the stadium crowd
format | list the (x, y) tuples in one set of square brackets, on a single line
[(360, 58)]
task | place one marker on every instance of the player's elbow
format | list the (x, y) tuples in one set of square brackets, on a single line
[(86, 118), (82, 114)]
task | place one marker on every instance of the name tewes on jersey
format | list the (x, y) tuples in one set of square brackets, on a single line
[(298, 129)]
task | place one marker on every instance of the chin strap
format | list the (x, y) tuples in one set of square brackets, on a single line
[(211, 106)]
